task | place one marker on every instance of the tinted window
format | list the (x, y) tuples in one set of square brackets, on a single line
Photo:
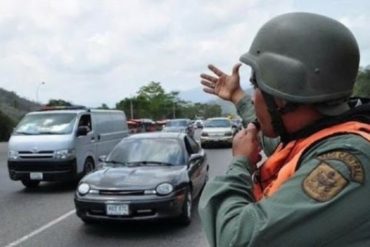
[(217, 123), (177, 123), (46, 123), (158, 150)]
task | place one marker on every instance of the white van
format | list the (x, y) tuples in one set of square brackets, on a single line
[(63, 144)]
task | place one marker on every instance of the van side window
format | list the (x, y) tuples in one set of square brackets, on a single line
[(85, 120)]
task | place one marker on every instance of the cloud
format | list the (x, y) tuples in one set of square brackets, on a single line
[(92, 52)]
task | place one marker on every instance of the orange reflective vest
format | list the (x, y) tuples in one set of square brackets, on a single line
[(282, 164)]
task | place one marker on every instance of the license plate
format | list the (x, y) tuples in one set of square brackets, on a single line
[(36, 176), (117, 209)]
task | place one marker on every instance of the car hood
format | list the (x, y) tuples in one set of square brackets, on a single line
[(172, 129), (216, 129), (142, 177), (40, 142)]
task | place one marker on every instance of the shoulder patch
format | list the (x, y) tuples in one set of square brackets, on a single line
[(324, 183), (351, 161)]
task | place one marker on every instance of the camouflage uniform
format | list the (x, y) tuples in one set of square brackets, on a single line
[(293, 217), (325, 201)]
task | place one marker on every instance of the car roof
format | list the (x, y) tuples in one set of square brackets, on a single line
[(164, 135), (218, 118), (179, 119)]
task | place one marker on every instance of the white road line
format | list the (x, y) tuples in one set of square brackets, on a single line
[(41, 229)]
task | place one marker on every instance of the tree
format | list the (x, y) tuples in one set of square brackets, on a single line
[(152, 101), (362, 85), (103, 106), (6, 127), (58, 102)]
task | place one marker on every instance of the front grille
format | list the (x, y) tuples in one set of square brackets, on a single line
[(44, 154), (121, 192), (134, 212), (34, 166)]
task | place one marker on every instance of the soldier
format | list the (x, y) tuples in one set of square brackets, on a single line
[(313, 190)]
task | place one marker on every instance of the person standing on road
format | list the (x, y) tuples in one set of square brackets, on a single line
[(313, 190)]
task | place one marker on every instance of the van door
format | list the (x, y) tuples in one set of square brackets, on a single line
[(85, 141)]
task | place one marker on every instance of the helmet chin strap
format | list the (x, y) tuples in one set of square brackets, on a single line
[(276, 120)]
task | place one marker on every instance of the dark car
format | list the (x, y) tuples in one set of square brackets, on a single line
[(179, 125), (146, 176)]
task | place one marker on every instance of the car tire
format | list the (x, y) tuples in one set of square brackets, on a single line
[(30, 183), (89, 166), (185, 217)]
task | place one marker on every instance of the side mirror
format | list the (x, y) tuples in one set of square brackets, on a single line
[(102, 158), (194, 157), (82, 130)]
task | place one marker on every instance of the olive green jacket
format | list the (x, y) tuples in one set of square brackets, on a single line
[(294, 216), (245, 110)]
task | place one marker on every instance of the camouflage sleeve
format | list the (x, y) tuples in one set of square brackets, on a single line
[(245, 110), (324, 203)]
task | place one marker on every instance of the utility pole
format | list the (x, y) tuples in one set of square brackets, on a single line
[(174, 110), (131, 109), (38, 89)]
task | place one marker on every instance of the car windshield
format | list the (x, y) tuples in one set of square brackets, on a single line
[(177, 123), (217, 123), (147, 151), (46, 123)]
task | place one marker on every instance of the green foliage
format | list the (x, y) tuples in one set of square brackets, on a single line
[(362, 85), (58, 102), (153, 102), (6, 127), (104, 106)]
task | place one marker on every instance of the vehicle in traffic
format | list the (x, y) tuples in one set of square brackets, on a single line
[(179, 125), (147, 176), (198, 124), (217, 131), (63, 144)]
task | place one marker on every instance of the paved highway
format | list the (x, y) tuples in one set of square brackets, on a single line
[(46, 217)]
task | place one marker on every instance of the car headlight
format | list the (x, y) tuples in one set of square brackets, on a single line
[(164, 189), (12, 155), (83, 189), (65, 154)]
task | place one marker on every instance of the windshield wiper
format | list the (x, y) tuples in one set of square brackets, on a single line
[(25, 133), (115, 162), (48, 133), (153, 162)]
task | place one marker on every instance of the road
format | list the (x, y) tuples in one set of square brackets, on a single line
[(46, 217)]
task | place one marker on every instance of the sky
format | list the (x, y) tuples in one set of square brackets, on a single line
[(91, 52)]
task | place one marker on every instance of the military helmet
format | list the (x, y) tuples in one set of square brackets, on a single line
[(304, 58)]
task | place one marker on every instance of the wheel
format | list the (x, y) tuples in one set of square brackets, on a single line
[(185, 217), (30, 183), (89, 166)]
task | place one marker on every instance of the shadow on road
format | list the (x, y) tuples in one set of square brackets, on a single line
[(51, 188)]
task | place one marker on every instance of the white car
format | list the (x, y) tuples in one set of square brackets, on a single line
[(217, 131)]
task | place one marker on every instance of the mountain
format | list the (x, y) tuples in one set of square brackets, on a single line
[(197, 95), (14, 106)]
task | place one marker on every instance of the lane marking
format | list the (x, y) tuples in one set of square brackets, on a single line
[(41, 229)]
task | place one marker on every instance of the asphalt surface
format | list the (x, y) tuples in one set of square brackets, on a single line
[(46, 217)]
